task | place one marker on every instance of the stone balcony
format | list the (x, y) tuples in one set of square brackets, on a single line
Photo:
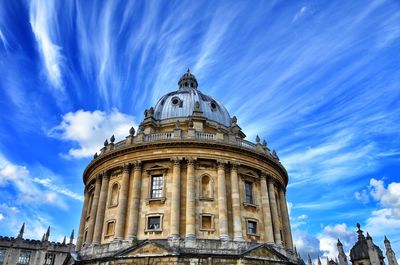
[(189, 135)]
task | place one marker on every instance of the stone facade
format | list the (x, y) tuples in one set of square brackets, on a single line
[(185, 190), (34, 252)]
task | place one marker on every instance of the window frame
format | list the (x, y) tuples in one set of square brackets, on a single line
[(26, 259), (106, 234), (156, 186), (148, 216), (257, 224), (48, 255), (201, 227), (248, 198), (156, 170), (254, 180)]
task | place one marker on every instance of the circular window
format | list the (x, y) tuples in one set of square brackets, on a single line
[(213, 105), (175, 101)]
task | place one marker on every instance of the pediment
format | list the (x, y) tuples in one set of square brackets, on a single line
[(146, 249), (266, 253)]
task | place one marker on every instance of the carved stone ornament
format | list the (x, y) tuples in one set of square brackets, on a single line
[(176, 161), (112, 139), (265, 143), (234, 120), (191, 124), (95, 155), (177, 124), (137, 165), (132, 131), (106, 142), (258, 139), (197, 106)]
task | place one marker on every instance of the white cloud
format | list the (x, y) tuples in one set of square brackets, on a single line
[(1, 217), (386, 220), (42, 18), (329, 236), (90, 129), (27, 190), (306, 244), (362, 196)]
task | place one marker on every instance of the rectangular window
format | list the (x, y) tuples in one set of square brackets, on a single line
[(252, 227), (110, 228), (156, 186), (206, 222), (2, 254), (154, 223), (49, 259), (248, 188), (24, 257)]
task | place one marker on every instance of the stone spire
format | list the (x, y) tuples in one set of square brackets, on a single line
[(21, 231), (64, 240), (319, 260), (188, 80), (47, 235), (309, 262), (390, 253), (71, 237), (342, 256), (360, 232), (372, 252)]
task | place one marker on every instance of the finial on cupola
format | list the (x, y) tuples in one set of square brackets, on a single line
[(21, 231)]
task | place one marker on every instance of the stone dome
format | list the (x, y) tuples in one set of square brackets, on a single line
[(182, 103)]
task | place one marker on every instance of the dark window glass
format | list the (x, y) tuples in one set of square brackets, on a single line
[(248, 188), (156, 186), (252, 227), (206, 222), (154, 223)]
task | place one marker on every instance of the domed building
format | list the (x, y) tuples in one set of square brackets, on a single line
[(186, 188)]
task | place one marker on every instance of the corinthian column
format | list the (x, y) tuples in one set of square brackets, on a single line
[(285, 220), (98, 228), (222, 207), (274, 211), (93, 210), (269, 232), (175, 199), (134, 200), (190, 201), (236, 211), (122, 204), (82, 222)]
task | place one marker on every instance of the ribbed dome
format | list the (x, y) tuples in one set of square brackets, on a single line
[(182, 103)]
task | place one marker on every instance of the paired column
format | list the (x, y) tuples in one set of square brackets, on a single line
[(236, 210), (285, 220), (93, 210), (190, 201), (222, 206), (134, 199), (266, 209), (175, 198), (98, 228), (122, 204), (82, 222), (274, 211)]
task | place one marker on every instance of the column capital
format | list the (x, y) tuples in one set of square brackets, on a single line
[(221, 164), (176, 161), (98, 177), (190, 161), (125, 167), (234, 166), (264, 175), (137, 165)]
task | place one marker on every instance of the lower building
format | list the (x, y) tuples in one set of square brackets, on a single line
[(23, 251)]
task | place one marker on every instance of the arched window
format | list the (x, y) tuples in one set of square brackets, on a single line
[(114, 195), (206, 189)]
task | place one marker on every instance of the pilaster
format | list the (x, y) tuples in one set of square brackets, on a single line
[(134, 200), (266, 209), (93, 210), (236, 210), (190, 200), (222, 204), (274, 210), (285, 219), (175, 198), (122, 203), (98, 228)]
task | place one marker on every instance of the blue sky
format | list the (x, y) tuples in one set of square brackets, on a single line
[(319, 80)]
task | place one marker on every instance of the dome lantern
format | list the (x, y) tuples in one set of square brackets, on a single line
[(188, 80)]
